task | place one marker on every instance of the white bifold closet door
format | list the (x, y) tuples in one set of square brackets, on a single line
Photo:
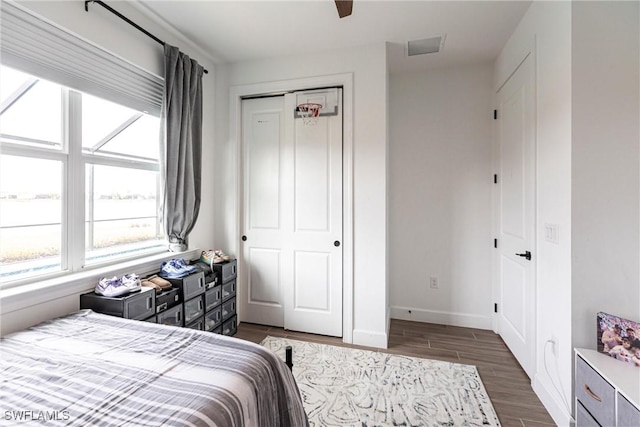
[(291, 265)]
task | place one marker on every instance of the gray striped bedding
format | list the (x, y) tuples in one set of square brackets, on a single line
[(89, 369)]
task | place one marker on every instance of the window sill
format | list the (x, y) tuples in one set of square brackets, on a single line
[(24, 296)]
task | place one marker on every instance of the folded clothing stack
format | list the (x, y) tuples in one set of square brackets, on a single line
[(176, 268), (118, 286)]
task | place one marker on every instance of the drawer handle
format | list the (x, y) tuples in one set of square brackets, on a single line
[(592, 394)]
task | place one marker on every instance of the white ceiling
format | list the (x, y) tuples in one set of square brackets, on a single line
[(234, 31)]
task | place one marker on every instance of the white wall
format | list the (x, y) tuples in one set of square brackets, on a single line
[(546, 31), (606, 156), (440, 195), (368, 65), (109, 32)]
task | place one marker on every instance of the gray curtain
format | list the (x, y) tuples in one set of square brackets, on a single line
[(181, 150)]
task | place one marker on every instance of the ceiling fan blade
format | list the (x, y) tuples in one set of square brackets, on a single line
[(344, 7)]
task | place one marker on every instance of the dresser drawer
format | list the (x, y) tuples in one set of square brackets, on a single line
[(213, 297), (172, 316), (193, 308), (595, 394), (583, 418), (628, 415), (229, 290), (228, 309)]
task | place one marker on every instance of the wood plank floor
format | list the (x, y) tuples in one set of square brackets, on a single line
[(507, 384)]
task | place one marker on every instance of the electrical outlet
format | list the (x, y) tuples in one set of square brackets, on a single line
[(433, 282)]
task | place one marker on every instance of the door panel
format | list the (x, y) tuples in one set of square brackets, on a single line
[(513, 169), (264, 276), (291, 268), (263, 170), (312, 287), (315, 304), (312, 177), (260, 272), (516, 214)]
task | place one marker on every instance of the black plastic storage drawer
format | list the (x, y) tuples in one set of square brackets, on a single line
[(213, 319), (210, 276), (228, 309), (167, 299), (193, 308), (228, 290), (213, 298), (226, 270), (230, 327), (138, 305), (190, 286), (172, 316), (197, 324), (218, 330)]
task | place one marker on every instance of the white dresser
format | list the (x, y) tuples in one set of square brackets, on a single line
[(607, 391)]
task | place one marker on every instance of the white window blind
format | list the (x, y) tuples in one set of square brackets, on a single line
[(36, 46)]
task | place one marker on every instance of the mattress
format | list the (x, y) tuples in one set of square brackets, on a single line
[(89, 369)]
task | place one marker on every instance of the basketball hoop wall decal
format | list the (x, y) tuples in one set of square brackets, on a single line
[(310, 112)]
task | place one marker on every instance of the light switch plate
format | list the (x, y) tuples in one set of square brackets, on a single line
[(552, 233)]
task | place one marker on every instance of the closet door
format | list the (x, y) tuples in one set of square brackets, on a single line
[(292, 233)]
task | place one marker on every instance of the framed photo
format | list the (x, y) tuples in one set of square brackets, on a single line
[(619, 338)]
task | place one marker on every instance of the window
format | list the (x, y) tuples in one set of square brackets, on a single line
[(79, 179)]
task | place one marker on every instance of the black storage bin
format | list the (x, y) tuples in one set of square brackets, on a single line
[(197, 324), (167, 299), (213, 297), (230, 327), (211, 279), (213, 319), (228, 290), (173, 316), (189, 286), (138, 305), (228, 309), (226, 270), (193, 308)]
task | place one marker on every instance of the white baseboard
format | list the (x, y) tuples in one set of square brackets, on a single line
[(370, 338), (442, 317), (552, 402)]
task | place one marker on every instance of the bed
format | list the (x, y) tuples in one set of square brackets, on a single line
[(90, 369)]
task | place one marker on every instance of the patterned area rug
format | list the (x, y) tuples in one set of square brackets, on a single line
[(349, 387)]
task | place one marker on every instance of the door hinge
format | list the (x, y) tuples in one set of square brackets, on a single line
[(495, 178), (495, 243), (495, 114), (495, 307)]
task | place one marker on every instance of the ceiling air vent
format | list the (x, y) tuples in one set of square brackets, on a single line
[(424, 46)]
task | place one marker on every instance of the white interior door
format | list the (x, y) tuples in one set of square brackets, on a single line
[(292, 255), (516, 241), (260, 275)]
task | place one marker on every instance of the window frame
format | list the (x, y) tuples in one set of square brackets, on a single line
[(74, 160), (41, 48)]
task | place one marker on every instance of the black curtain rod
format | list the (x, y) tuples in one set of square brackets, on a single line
[(127, 20)]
